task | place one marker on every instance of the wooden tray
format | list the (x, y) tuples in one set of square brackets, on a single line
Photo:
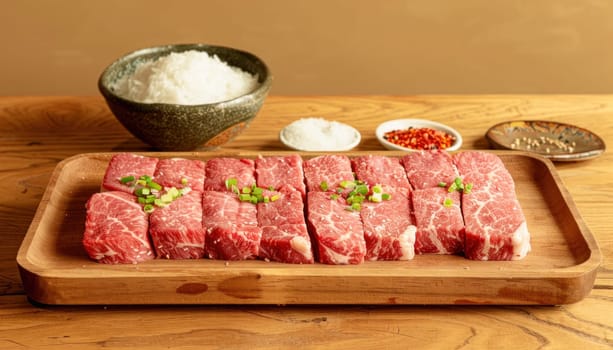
[(560, 269)]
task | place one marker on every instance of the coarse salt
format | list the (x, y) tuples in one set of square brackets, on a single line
[(318, 134), (188, 78)]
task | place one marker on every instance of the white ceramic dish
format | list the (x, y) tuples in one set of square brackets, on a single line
[(315, 145), (402, 124)]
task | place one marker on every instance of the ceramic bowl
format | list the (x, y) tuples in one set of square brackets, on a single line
[(403, 124), (175, 127)]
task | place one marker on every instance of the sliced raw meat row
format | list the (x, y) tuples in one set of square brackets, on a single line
[(426, 169), (218, 170), (232, 231), (436, 212), (437, 215), (496, 228), (338, 232), (281, 233), (278, 171), (387, 237), (176, 230), (285, 237), (381, 170), (180, 173), (116, 229), (327, 172), (127, 164), (426, 218)]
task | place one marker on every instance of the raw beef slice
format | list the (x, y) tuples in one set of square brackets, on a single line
[(496, 228), (440, 227), (338, 232), (389, 232), (127, 164), (231, 227), (277, 171), (386, 171), (426, 169), (116, 229), (328, 169), (284, 232), (176, 230), (218, 170), (180, 173)]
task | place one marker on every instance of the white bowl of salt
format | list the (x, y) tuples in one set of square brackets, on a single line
[(318, 134)]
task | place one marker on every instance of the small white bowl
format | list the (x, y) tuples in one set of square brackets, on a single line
[(402, 124), (312, 138)]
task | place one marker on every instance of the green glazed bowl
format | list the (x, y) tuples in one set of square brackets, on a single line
[(174, 127)]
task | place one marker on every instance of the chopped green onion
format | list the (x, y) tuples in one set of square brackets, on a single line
[(468, 188), (448, 202), (274, 197), (166, 198), (386, 196), (334, 196), (126, 179), (347, 184), (231, 183), (323, 186), (148, 208), (184, 181), (244, 197), (246, 190), (142, 191), (355, 207), (375, 197), (442, 184)]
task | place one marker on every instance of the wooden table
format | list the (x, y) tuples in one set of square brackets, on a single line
[(38, 132)]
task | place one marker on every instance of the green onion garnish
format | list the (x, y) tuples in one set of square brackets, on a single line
[(448, 202), (323, 186), (126, 179), (468, 188), (231, 184)]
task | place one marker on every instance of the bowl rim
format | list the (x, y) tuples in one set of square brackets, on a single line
[(395, 124), (263, 86)]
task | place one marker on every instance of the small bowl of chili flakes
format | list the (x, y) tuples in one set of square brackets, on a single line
[(417, 135)]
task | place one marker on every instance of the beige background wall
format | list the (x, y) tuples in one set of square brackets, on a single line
[(324, 46)]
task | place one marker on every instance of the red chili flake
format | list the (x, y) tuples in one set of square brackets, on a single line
[(420, 138)]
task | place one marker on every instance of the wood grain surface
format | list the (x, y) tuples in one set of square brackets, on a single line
[(36, 133)]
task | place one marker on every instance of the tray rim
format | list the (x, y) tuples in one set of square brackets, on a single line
[(35, 274)]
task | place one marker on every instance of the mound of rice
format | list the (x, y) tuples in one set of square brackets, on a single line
[(188, 78)]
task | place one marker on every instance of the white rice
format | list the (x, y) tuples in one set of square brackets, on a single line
[(187, 78)]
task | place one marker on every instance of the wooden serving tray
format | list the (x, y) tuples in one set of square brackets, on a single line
[(560, 269)]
